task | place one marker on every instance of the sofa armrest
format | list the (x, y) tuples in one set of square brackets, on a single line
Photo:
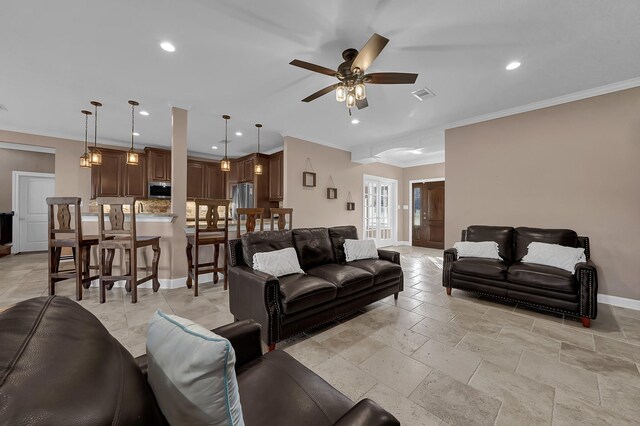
[(587, 277), (244, 336), (391, 256), (450, 256), (256, 295), (367, 413)]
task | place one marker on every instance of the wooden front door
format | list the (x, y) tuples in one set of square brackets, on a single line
[(427, 218)]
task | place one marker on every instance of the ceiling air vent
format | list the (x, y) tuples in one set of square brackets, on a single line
[(3, 108), (423, 93)]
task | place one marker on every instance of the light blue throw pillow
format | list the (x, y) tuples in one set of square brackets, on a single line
[(191, 372)]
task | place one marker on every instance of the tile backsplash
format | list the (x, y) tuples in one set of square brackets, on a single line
[(148, 206)]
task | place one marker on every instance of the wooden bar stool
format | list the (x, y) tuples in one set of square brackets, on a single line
[(126, 239), (64, 235), (282, 218), (252, 214), (209, 234)]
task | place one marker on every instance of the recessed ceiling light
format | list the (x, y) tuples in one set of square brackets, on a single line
[(513, 65), (355, 121), (167, 47), (238, 133), (145, 113), (214, 147), (136, 134)]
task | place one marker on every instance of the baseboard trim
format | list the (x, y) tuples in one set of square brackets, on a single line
[(403, 243), (622, 302)]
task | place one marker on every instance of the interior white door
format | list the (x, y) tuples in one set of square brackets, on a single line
[(32, 213), (380, 206)]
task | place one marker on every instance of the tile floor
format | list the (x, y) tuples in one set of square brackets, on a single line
[(428, 358)]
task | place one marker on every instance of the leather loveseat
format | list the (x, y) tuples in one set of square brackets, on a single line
[(539, 286), (60, 366), (330, 289)]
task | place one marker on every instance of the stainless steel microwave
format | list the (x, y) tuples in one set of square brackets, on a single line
[(159, 190)]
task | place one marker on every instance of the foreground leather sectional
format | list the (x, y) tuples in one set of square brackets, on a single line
[(509, 279), (60, 366), (330, 289)]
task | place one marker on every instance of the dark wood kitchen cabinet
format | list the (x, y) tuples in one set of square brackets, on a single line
[(276, 176), (195, 179), (158, 165), (106, 179), (215, 181), (115, 178)]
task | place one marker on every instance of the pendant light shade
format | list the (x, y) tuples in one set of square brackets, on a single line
[(95, 156), (360, 92), (351, 100), (225, 164), (132, 156), (341, 93), (85, 160), (257, 169)]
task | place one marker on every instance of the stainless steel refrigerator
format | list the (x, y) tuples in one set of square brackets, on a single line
[(241, 197)]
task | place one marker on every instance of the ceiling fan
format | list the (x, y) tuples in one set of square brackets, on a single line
[(351, 73)]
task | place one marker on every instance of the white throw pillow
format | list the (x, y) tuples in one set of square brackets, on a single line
[(360, 249), (562, 257), (191, 372), (486, 249), (278, 262)]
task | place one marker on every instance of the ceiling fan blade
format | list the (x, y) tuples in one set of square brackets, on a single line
[(363, 103), (390, 78), (369, 52), (321, 92), (313, 67)]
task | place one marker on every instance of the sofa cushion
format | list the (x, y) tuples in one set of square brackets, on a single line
[(260, 242), (192, 372), (313, 246), (541, 276), (488, 268), (60, 366), (282, 391), (347, 278), (301, 291), (338, 234), (525, 236), (382, 270), (503, 235)]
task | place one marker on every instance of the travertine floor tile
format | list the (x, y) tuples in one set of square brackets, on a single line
[(396, 370), (361, 350), (455, 402), (440, 331), (499, 353), (572, 412), (563, 334), (346, 377), (342, 340), (476, 325), (309, 352), (456, 363), (597, 362), (436, 312), (605, 325), (518, 338), (406, 411), (620, 397), (508, 319), (400, 338), (552, 372), (524, 401)]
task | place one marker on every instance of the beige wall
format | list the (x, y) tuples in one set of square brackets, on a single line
[(22, 161), (429, 171), (569, 166), (71, 180), (311, 206)]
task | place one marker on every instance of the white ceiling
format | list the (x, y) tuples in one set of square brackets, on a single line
[(233, 58)]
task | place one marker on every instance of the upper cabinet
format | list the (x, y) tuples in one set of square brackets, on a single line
[(205, 180), (159, 165), (276, 176), (215, 181), (195, 179), (115, 178)]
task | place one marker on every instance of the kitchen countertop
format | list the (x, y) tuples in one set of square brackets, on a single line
[(140, 217)]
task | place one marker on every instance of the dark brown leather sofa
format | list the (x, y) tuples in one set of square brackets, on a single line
[(509, 279), (331, 288), (60, 366)]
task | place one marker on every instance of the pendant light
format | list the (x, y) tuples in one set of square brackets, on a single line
[(225, 164), (85, 160), (257, 169), (95, 154), (132, 156)]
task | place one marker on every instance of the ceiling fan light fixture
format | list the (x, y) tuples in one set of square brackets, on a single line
[(361, 92), (341, 93), (351, 100)]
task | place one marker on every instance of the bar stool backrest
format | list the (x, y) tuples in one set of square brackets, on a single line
[(282, 214), (212, 217), (253, 215), (117, 224), (59, 218)]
